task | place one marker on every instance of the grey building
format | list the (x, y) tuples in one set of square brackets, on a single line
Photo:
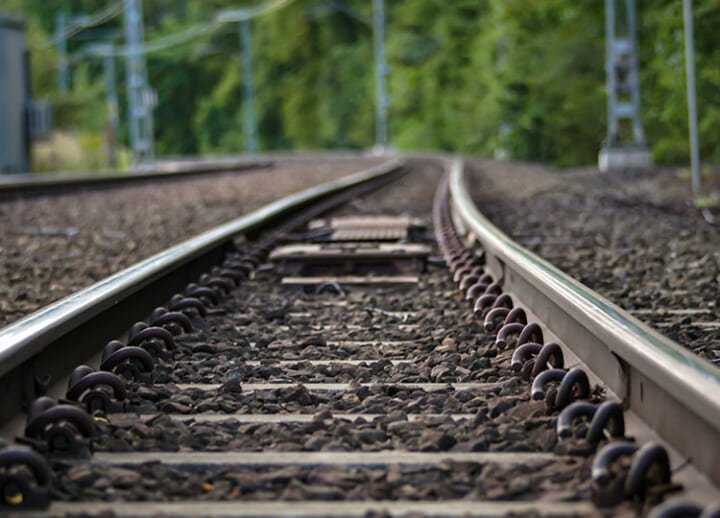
[(14, 97), (21, 118)]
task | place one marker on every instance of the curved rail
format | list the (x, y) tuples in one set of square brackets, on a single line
[(673, 390), (63, 323)]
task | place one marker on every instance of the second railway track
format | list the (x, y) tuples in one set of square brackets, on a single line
[(342, 378)]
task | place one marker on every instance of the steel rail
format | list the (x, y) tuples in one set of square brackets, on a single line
[(61, 331), (671, 389), (50, 183), (315, 508)]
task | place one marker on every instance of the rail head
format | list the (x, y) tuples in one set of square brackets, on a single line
[(656, 375), (25, 338)]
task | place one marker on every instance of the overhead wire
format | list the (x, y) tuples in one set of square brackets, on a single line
[(86, 22), (189, 33)]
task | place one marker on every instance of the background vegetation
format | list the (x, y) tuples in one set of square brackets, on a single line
[(518, 78)]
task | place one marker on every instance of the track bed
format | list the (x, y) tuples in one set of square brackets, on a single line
[(632, 238), (380, 398)]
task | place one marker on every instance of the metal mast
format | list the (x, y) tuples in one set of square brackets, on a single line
[(691, 96), (381, 72), (623, 85), (249, 114), (112, 105), (623, 90), (248, 105), (140, 97)]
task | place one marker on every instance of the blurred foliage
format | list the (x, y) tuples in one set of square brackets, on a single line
[(510, 77)]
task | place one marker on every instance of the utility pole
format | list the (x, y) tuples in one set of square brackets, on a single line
[(382, 100), (110, 91), (623, 91), (113, 126), (248, 105), (249, 113), (140, 97), (107, 52), (691, 97), (61, 46)]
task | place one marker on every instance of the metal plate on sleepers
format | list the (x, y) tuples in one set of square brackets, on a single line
[(369, 227), (365, 258), (320, 283)]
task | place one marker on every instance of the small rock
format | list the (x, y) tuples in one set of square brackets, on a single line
[(173, 407), (450, 342), (122, 477), (204, 348), (436, 441), (148, 393), (323, 415), (232, 385), (519, 485), (528, 409), (82, 475), (400, 426), (300, 394), (500, 405), (316, 442)]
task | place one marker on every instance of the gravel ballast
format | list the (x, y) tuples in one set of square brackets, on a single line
[(265, 333), (632, 237), (51, 246)]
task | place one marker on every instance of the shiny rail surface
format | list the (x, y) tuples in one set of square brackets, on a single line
[(36, 346), (672, 390)]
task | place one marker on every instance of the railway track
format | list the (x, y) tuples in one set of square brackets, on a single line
[(17, 186), (309, 371)]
